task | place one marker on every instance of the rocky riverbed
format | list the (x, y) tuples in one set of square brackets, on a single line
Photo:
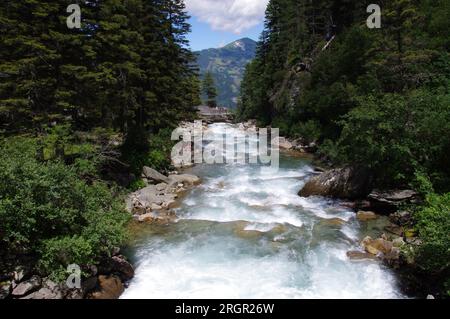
[(242, 228)]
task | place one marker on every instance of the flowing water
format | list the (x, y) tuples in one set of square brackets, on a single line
[(245, 233)]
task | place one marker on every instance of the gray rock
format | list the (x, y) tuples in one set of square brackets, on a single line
[(49, 290), (43, 293), (156, 207), (161, 186), (5, 289), (285, 144), (184, 178), (390, 201), (27, 286), (345, 182), (154, 176)]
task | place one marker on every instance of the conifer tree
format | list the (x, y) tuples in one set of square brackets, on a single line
[(209, 90)]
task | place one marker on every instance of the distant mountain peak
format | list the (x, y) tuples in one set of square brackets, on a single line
[(241, 43)]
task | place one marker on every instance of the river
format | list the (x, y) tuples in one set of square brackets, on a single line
[(245, 233)]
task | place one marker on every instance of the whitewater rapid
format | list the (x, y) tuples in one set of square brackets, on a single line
[(245, 233)]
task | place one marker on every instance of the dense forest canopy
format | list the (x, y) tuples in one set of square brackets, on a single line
[(373, 96), (81, 111), (128, 65)]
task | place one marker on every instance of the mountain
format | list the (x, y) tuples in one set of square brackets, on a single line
[(227, 65)]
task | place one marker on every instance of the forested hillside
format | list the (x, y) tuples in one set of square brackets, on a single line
[(227, 65), (377, 98), (81, 111)]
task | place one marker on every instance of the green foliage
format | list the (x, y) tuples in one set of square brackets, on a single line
[(433, 226), (309, 130), (153, 151), (47, 210), (398, 135), (127, 66), (209, 90)]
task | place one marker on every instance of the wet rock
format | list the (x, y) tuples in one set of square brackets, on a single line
[(184, 178), (377, 246), (346, 182), (392, 257), (366, 216), (123, 267), (27, 286), (159, 218), (153, 176), (333, 222), (148, 217), (110, 287), (400, 218), (248, 234), (359, 255)]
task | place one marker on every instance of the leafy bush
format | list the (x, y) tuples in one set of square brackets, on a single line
[(47, 210), (400, 135), (433, 226), (309, 130), (153, 151)]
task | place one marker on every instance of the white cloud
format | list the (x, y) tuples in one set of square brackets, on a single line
[(228, 15)]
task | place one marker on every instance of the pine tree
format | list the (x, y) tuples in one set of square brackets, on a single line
[(209, 90)]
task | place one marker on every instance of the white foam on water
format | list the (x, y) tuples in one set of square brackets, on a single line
[(208, 265), (217, 270)]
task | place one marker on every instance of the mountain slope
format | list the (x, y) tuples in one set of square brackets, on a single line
[(227, 65)]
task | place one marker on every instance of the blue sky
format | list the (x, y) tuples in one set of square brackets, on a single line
[(216, 23), (204, 37)]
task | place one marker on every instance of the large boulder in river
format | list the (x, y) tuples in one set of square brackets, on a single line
[(345, 182)]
